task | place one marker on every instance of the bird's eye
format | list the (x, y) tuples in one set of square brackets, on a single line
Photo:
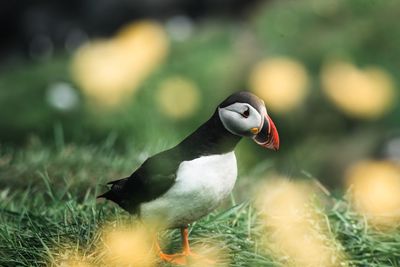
[(246, 113)]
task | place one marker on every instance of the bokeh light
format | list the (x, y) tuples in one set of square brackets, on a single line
[(70, 258), (294, 230), (108, 71), (41, 47), (282, 82), (179, 28), (375, 188), (62, 96), (128, 246), (178, 97), (366, 94), (391, 150)]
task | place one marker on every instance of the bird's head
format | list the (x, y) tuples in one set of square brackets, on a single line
[(245, 114)]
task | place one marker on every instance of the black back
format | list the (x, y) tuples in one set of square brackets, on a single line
[(158, 173)]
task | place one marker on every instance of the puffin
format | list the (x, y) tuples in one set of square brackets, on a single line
[(182, 184)]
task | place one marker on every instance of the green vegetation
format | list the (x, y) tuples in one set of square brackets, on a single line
[(48, 205), (54, 161)]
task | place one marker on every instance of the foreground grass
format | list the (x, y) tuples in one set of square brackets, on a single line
[(48, 206)]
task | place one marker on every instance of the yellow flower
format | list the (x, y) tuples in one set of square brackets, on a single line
[(109, 71), (282, 82), (69, 258), (375, 187), (178, 97), (293, 228), (127, 246), (366, 94)]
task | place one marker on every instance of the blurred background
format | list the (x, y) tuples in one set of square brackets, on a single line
[(141, 75)]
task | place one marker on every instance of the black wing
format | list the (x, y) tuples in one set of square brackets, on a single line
[(151, 180), (158, 173)]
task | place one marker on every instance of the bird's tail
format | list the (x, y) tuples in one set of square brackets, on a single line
[(115, 192), (106, 195)]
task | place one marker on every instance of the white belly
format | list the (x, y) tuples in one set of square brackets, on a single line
[(200, 186)]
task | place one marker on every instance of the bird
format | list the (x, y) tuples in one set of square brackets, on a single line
[(180, 185)]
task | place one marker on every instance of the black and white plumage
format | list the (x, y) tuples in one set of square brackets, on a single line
[(184, 183)]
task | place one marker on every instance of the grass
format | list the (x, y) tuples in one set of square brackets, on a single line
[(47, 205), (47, 192)]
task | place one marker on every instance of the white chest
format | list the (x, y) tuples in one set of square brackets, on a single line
[(200, 186)]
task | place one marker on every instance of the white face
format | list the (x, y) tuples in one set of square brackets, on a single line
[(241, 119)]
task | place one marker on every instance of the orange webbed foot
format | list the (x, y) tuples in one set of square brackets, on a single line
[(178, 258), (185, 258)]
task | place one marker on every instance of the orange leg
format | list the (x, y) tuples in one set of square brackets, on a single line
[(179, 258), (185, 241)]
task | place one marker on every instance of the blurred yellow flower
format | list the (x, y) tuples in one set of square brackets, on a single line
[(294, 229), (108, 71), (126, 246), (70, 258), (178, 97), (282, 82), (366, 94), (375, 187)]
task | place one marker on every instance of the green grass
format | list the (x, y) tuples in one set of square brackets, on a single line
[(47, 191), (47, 205)]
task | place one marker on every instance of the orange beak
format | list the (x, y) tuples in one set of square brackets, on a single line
[(268, 136)]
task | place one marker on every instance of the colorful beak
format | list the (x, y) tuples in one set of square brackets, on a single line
[(268, 136)]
